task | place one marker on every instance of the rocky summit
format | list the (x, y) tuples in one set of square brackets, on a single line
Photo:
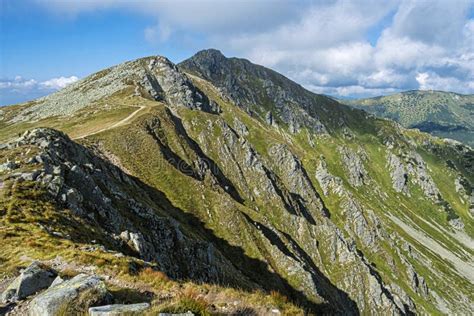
[(217, 186)]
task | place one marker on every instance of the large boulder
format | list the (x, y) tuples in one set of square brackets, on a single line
[(33, 279), (72, 297), (119, 309)]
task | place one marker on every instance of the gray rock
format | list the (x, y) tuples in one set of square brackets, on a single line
[(417, 168), (457, 223), (326, 180), (57, 281), (240, 127), (31, 280), (354, 166), (288, 102), (458, 185), (176, 88), (269, 118), (179, 314), (417, 282), (294, 176), (119, 309), (7, 166), (69, 297), (398, 173)]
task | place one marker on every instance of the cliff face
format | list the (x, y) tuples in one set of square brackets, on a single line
[(221, 171)]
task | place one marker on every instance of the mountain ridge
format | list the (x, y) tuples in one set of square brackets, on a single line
[(443, 114), (306, 195)]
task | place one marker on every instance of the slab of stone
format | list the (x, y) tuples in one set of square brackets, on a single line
[(119, 309), (31, 280), (59, 299)]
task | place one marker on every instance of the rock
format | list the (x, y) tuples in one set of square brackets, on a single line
[(70, 297), (176, 88), (7, 166), (398, 173), (293, 174), (458, 186), (417, 168), (57, 281), (134, 240), (240, 127), (31, 280), (413, 168), (354, 166), (457, 223), (119, 309), (27, 176), (179, 314), (418, 283), (269, 118), (326, 180)]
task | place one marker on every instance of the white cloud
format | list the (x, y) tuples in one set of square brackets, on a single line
[(433, 22), (360, 46), (18, 84), (58, 83), (352, 91), (203, 15), (22, 84), (20, 89), (432, 81), (158, 33)]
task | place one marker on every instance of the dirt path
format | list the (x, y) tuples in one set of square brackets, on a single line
[(119, 123)]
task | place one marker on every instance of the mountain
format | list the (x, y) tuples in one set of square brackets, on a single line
[(220, 186), (443, 114)]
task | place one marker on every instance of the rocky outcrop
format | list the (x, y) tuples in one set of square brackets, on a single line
[(175, 87), (254, 87), (119, 309), (240, 128), (398, 173), (419, 171), (357, 223), (326, 180), (33, 279), (354, 165), (411, 167), (91, 188), (70, 297), (152, 77), (295, 178)]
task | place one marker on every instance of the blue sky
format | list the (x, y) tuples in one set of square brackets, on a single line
[(341, 48)]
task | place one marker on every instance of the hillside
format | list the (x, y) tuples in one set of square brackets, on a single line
[(220, 186), (443, 114)]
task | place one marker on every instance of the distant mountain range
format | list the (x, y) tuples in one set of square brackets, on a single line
[(443, 114)]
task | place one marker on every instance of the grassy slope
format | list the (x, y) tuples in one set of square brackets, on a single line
[(26, 216), (203, 200), (443, 114)]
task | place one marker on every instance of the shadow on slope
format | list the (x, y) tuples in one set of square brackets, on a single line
[(254, 273)]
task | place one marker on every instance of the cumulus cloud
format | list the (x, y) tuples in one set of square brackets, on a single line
[(18, 84), (58, 83), (21, 84), (20, 89), (337, 47)]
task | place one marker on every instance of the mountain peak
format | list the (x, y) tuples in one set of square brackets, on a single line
[(210, 52)]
